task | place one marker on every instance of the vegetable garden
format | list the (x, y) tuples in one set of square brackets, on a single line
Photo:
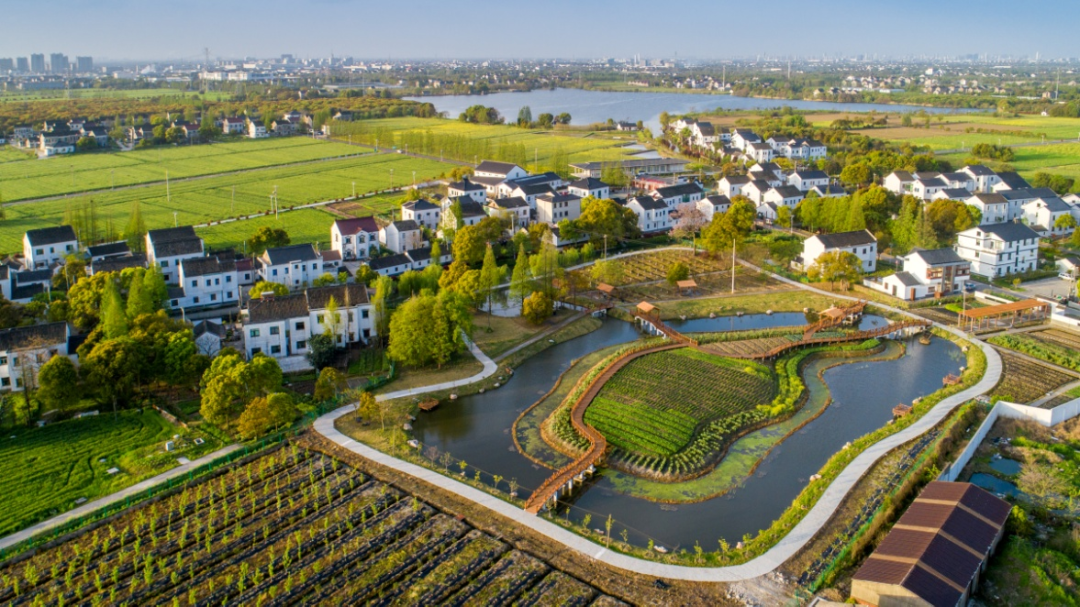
[(1025, 381), (290, 527), (1051, 351)]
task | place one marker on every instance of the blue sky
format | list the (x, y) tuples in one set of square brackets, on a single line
[(149, 29)]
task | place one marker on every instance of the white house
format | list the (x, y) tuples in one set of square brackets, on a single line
[(589, 186), (829, 191), (354, 238), (925, 188), (926, 273), (549, 179), (424, 213), (713, 205), (472, 213), (1010, 180), (958, 180), (23, 350), (207, 282), (391, 265), (465, 187), (293, 266), (704, 135), (505, 171), (1042, 215), (45, 247), (233, 125), (257, 130), (513, 209), (808, 180), (553, 208), (899, 182), (788, 196), (167, 247), (732, 186), (993, 207), (741, 138), (999, 249), (760, 152), (400, 236), (674, 195), (282, 326), (984, 178), (755, 190), (653, 215), (861, 243), (208, 337), (952, 194), (108, 250)]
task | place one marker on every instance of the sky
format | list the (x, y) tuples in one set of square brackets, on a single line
[(145, 30)]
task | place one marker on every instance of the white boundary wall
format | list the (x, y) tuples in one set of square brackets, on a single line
[(1046, 417)]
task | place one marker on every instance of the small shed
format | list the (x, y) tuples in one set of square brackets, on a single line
[(606, 289), (647, 309), (687, 286)]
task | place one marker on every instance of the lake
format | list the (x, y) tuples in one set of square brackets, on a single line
[(586, 107)]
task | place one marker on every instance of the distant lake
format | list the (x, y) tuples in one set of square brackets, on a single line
[(586, 107)]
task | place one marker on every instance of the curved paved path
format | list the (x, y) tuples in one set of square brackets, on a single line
[(786, 548)]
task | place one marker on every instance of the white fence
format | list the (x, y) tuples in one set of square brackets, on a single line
[(1046, 417)]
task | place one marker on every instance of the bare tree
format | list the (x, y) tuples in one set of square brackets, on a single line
[(689, 220)]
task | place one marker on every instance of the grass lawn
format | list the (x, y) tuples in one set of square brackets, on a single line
[(509, 332), (462, 367), (47, 469), (103, 170), (204, 200), (486, 140)]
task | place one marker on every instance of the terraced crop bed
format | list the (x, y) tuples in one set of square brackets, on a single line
[(291, 527), (1060, 337), (1025, 381), (648, 267), (749, 347)]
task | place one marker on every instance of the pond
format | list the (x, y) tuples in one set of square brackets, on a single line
[(477, 429), (586, 107), (994, 484), (1006, 466)]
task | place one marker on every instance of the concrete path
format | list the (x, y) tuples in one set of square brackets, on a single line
[(489, 369), (786, 548), (113, 498)]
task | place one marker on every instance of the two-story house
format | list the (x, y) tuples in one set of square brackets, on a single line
[(472, 213), (985, 179), (207, 282), (589, 186), (167, 247), (233, 125), (993, 207), (553, 208), (257, 130), (860, 243), (711, 206), (674, 195), (400, 236), (23, 351), (281, 327), (733, 185), (653, 214), (423, 212), (999, 249), (513, 209), (466, 187), (1043, 213), (45, 247), (808, 180), (354, 238), (294, 266), (926, 273)]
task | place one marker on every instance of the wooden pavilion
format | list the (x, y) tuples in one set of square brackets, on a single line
[(648, 310), (976, 319), (606, 289), (687, 287)]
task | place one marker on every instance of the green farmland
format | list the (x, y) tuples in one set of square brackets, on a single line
[(956, 131), (55, 95), (46, 469), (485, 141), (201, 201), (102, 170), (303, 225)]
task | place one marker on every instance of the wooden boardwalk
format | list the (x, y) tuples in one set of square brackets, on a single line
[(565, 477), (835, 339)]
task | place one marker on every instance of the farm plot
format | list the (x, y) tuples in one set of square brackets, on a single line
[(649, 267), (1061, 337), (668, 414), (104, 170), (45, 470), (749, 347), (205, 200), (291, 527), (303, 225), (1043, 349), (1025, 381)]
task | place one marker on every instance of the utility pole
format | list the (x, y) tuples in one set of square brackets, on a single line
[(112, 179), (168, 197), (732, 265), (232, 203), (605, 246), (354, 189), (391, 179), (174, 221)]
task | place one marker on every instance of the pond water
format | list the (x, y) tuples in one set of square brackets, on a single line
[(1006, 466), (759, 321), (477, 429), (994, 484), (586, 107)]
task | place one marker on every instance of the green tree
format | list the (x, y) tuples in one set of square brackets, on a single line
[(330, 383), (135, 232), (609, 271), (140, 300), (183, 362), (113, 316), (856, 174), (366, 405), (384, 289), (537, 308), (783, 216), (58, 383), (266, 413), (154, 288), (85, 300), (677, 271), (524, 117), (1064, 222), (428, 329), (519, 279), (321, 350), (490, 277), (730, 228), (115, 367), (835, 266), (324, 279), (265, 238), (264, 286)]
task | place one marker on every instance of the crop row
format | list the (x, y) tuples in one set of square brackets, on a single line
[(1043, 350)]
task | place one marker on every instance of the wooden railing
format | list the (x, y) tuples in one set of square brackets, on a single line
[(825, 341), (661, 326), (829, 323), (597, 443)]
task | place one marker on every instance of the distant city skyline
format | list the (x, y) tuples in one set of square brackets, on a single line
[(127, 30)]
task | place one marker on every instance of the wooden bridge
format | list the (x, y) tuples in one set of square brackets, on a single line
[(888, 329), (646, 314), (563, 481)]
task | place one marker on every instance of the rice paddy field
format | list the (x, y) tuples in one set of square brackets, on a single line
[(484, 141), (45, 470), (199, 201), (87, 172), (292, 527)]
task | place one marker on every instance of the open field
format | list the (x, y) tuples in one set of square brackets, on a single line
[(463, 141), (303, 225), (9, 96), (1025, 381), (305, 529), (1033, 344), (86, 172), (47, 469), (953, 131), (204, 200)]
